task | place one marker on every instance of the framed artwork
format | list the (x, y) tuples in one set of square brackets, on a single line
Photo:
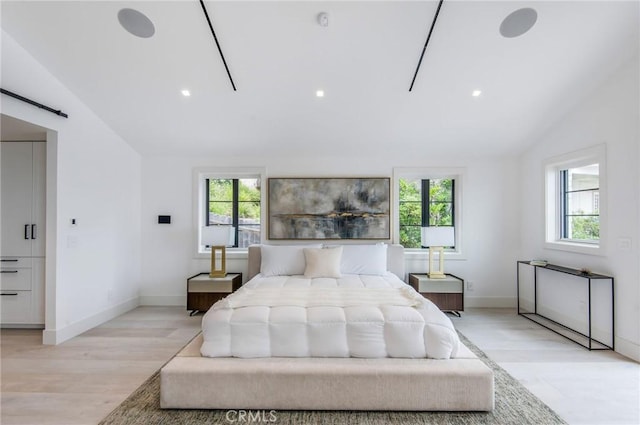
[(329, 208)]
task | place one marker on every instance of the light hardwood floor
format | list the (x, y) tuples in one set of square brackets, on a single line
[(82, 380), (582, 386)]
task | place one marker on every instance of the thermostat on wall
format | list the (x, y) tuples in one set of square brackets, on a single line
[(164, 219)]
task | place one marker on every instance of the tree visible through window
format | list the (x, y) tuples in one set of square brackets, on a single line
[(235, 202), (424, 202), (576, 200), (580, 191)]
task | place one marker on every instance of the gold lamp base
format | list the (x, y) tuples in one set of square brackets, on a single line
[(215, 271), (436, 274)]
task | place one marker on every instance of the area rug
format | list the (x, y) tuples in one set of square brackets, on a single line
[(514, 404)]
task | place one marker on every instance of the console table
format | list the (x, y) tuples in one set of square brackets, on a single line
[(571, 334)]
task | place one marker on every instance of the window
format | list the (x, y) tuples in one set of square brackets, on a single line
[(575, 201), (580, 192), (235, 202), (232, 197), (424, 202)]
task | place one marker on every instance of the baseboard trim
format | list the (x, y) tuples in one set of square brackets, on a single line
[(628, 349), (164, 300), (489, 302), (58, 336)]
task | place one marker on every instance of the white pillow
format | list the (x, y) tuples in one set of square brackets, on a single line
[(364, 259), (323, 262), (278, 260)]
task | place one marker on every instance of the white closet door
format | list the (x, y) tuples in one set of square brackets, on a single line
[(17, 190), (39, 199)]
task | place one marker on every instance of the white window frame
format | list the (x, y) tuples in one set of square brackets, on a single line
[(553, 200), (200, 176), (457, 173)]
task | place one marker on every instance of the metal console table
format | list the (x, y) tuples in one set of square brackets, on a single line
[(592, 343)]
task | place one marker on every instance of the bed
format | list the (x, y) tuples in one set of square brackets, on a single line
[(301, 334), (340, 301)]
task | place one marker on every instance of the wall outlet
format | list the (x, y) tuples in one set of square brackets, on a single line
[(469, 286), (624, 244)]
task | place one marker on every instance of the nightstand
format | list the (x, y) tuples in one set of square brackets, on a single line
[(203, 291), (447, 293)]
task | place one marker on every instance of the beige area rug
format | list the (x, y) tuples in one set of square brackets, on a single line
[(514, 404)]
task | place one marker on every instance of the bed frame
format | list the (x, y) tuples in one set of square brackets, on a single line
[(395, 260), (190, 381)]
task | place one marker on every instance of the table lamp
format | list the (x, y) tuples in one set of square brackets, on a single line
[(436, 238), (218, 237)]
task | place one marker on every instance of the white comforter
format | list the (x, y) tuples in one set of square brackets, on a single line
[(352, 316)]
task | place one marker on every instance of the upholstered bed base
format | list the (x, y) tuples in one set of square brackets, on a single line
[(190, 381)]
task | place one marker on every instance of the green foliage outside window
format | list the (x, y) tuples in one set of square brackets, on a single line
[(581, 196), (440, 200), (221, 198), (246, 196), (410, 213), (585, 228)]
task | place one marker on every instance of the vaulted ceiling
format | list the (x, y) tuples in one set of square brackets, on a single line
[(364, 60)]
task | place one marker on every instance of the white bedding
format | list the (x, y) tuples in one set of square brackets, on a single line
[(392, 320), (315, 296)]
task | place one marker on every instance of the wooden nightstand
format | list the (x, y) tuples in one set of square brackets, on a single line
[(447, 293), (203, 291)]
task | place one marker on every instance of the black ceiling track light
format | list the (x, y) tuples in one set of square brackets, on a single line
[(433, 24), (204, 9), (34, 103)]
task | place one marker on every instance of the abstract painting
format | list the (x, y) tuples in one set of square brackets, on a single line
[(329, 208)]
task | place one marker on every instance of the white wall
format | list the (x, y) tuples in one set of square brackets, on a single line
[(489, 219), (93, 269), (503, 208), (610, 116)]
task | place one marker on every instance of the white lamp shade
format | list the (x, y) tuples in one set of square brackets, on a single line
[(218, 235), (438, 236)]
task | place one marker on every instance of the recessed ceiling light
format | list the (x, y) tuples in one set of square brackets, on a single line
[(476, 93), (186, 93), (319, 93), (518, 22), (136, 23)]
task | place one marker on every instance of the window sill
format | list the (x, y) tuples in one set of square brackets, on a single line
[(576, 247)]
